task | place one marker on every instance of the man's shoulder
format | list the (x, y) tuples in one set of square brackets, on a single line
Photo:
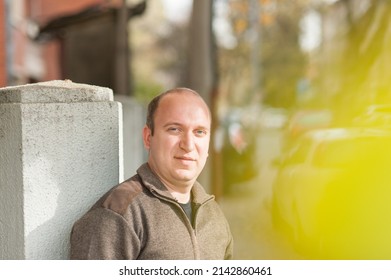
[(119, 197)]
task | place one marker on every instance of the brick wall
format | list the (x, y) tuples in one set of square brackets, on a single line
[(53, 9), (40, 11)]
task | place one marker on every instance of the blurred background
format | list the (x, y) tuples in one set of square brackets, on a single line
[(300, 92)]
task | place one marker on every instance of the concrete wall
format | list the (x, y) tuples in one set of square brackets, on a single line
[(134, 116), (60, 149)]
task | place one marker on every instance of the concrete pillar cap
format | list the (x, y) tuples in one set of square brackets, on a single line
[(56, 91)]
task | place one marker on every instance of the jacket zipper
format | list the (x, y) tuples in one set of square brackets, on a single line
[(192, 230)]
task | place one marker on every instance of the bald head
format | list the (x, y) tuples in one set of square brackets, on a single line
[(154, 104)]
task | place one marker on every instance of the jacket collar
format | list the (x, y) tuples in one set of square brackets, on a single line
[(151, 181)]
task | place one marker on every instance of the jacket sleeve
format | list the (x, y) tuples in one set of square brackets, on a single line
[(230, 249), (103, 234)]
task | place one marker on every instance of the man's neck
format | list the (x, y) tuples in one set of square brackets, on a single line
[(182, 196), (179, 190)]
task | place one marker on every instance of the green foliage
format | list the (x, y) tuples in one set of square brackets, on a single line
[(355, 74), (282, 59), (146, 90), (279, 62)]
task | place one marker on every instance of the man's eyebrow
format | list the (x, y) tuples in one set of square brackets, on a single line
[(172, 123), (203, 127), (180, 124)]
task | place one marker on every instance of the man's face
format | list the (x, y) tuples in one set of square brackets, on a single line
[(178, 149)]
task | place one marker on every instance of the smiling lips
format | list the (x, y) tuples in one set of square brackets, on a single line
[(184, 158)]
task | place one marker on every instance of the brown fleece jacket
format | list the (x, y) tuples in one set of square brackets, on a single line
[(139, 219)]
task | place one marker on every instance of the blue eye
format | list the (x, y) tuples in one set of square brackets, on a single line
[(200, 132)]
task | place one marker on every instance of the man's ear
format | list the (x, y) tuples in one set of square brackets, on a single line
[(147, 137)]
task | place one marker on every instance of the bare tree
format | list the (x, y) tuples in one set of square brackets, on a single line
[(202, 77)]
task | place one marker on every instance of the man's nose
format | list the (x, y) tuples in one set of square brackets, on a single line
[(187, 142)]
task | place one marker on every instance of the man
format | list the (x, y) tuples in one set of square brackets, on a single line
[(162, 212)]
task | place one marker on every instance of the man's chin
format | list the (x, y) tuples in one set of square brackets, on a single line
[(186, 175)]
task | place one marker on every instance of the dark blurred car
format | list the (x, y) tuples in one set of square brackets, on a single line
[(239, 162), (332, 194)]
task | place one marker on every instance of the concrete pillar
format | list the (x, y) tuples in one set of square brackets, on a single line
[(134, 115), (60, 149)]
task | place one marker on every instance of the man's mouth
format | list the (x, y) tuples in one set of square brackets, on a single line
[(185, 158)]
